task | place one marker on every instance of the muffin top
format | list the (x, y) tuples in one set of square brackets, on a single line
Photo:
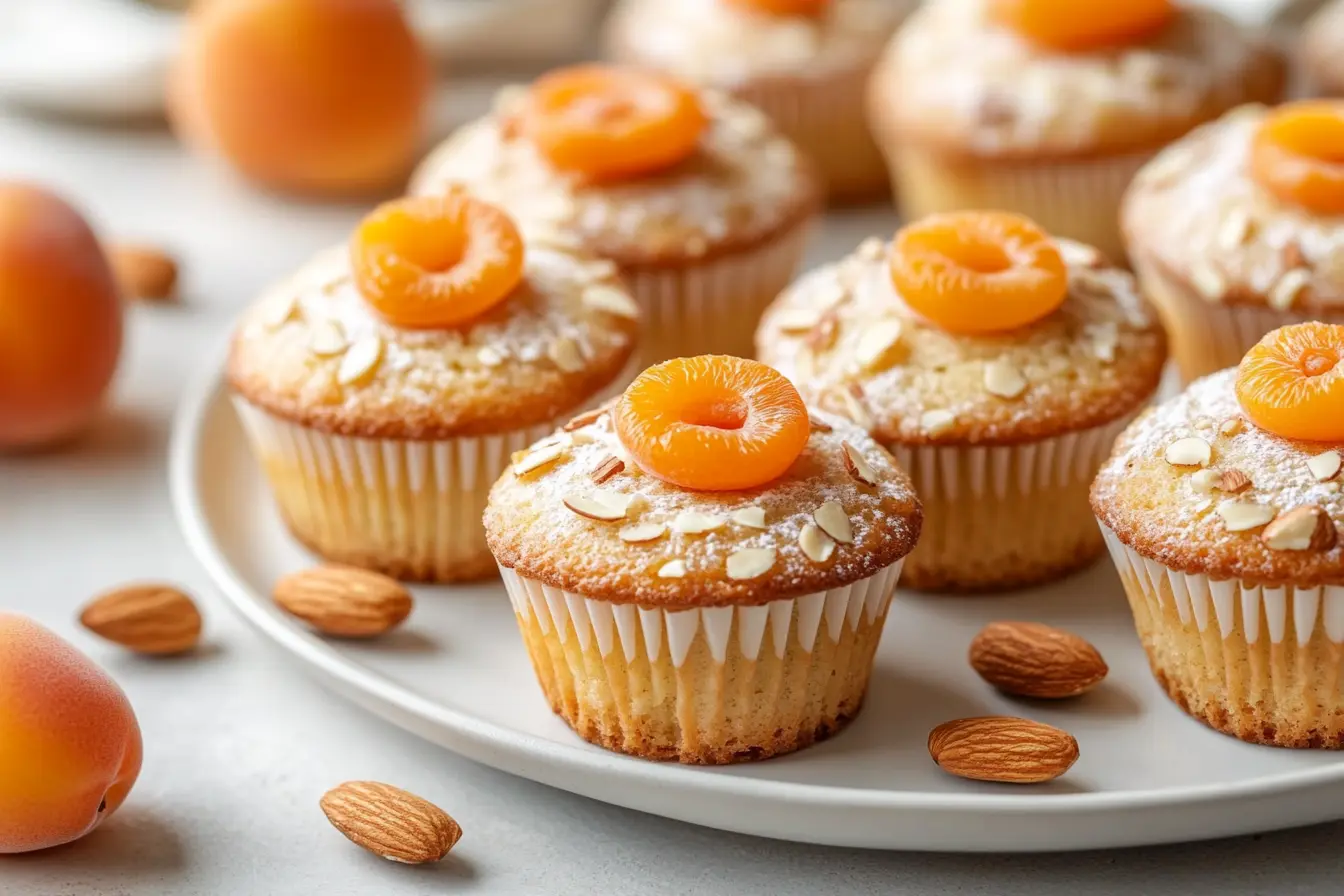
[(728, 44), (1202, 212), (1198, 487), (962, 81), (852, 343), (313, 350), (1323, 46), (738, 183)]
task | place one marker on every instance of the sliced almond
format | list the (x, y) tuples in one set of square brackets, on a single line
[(672, 569), (360, 361), (1191, 451), (857, 465), (608, 467), (1205, 481), (327, 339), (1242, 516), (1325, 467), (1234, 229), (1208, 282), (1004, 380), (871, 249), (1307, 528), (279, 312), (566, 355), (833, 520), (692, 522), (642, 532), (937, 422), (1292, 256), (822, 336), (1105, 339), (489, 356), (817, 545), (819, 425), (748, 563), (1234, 482), (877, 343), (595, 507), (538, 457), (857, 411), (584, 419), (797, 320), (1285, 292), (1232, 425), (611, 300), (751, 517)]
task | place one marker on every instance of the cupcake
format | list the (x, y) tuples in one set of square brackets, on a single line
[(805, 63), (702, 572), (1323, 49), (1048, 107), (1239, 229), (386, 386), (704, 207), (997, 364), (1222, 510)]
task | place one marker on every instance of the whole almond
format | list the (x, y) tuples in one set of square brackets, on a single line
[(1028, 659), (344, 601), (1002, 748), (143, 272), (389, 822), (152, 619)]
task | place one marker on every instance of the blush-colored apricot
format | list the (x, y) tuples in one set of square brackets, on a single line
[(60, 319), (324, 97), (69, 743)]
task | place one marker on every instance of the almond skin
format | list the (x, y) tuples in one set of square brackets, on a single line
[(153, 619), (1002, 748), (389, 822), (344, 601), (1028, 659)]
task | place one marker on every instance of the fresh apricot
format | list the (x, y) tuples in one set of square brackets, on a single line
[(313, 96), (607, 122), (1076, 27), (1297, 154), (978, 272), (436, 261), (785, 7), (1291, 383), (60, 319), (69, 742), (712, 422)]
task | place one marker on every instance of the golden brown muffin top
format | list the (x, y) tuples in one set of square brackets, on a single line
[(1196, 211), (849, 343), (714, 42), (970, 86), (313, 351), (744, 184), (1323, 47), (667, 547), (1171, 492)]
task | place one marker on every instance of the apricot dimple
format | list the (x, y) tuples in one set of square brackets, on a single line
[(1075, 27), (712, 423), (70, 746), (1297, 154), (436, 261), (785, 7), (1292, 382), (611, 122), (978, 272)]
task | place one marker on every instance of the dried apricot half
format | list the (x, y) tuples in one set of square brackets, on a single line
[(1291, 383), (978, 272), (785, 7), (1075, 27), (436, 261), (612, 122), (1297, 154), (712, 423)]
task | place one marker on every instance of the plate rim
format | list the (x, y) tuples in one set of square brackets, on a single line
[(511, 751)]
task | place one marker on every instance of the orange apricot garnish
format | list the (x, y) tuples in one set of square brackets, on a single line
[(1072, 26), (978, 272), (611, 122), (712, 423), (1297, 154), (1291, 383), (785, 7), (436, 261)]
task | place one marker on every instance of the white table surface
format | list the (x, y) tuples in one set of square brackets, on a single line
[(240, 746)]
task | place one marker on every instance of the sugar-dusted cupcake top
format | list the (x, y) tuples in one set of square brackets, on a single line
[(317, 350), (854, 341), (597, 510), (727, 43), (1219, 211), (1060, 78), (1323, 47), (1199, 486), (707, 174)]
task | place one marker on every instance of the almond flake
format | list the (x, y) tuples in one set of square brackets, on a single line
[(562, 439), (748, 563), (1234, 482), (642, 532), (822, 336), (611, 300), (855, 409), (817, 545), (1235, 228), (1302, 529), (1284, 293), (1191, 451), (672, 569), (595, 507), (327, 339), (751, 517), (1205, 481), (937, 421), (584, 419), (871, 249), (819, 425), (691, 522), (1325, 467), (1291, 256), (489, 357), (833, 520), (360, 361), (1208, 282), (1080, 254), (565, 353), (538, 458), (1242, 516), (877, 342), (797, 320), (857, 465), (1167, 166), (609, 467), (1105, 339), (279, 312), (1232, 425), (1004, 380)]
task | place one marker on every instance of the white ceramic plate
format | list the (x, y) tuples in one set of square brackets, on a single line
[(458, 676)]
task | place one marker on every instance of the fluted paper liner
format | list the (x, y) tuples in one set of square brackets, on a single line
[(712, 685), (1260, 663)]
